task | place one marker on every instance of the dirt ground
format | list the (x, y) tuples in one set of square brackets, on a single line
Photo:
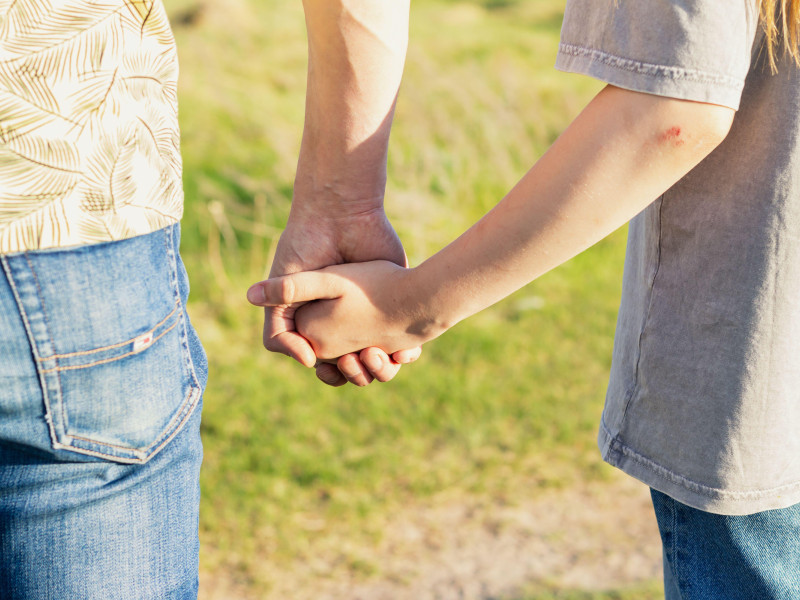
[(601, 536)]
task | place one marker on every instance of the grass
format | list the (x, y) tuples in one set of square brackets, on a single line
[(502, 406), (648, 591)]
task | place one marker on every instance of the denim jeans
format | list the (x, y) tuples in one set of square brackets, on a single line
[(721, 557), (101, 377)]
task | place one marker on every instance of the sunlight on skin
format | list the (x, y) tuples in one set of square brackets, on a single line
[(356, 58), (622, 152)]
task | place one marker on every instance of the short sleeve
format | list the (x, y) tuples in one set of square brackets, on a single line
[(689, 49)]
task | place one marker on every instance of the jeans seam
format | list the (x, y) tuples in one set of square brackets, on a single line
[(189, 404), (114, 358), (182, 414), (102, 348), (187, 353), (34, 349), (64, 417), (195, 391), (674, 546)]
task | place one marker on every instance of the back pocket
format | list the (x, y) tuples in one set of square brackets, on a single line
[(108, 332)]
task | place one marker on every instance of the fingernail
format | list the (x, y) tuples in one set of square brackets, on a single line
[(255, 295), (308, 358), (374, 362)]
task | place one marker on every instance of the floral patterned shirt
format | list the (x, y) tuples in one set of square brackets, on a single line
[(89, 144)]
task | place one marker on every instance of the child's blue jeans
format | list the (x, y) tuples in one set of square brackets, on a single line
[(719, 557), (101, 376)]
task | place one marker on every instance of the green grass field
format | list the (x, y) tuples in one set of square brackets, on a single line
[(504, 405)]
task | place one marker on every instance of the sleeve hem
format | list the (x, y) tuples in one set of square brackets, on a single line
[(661, 80)]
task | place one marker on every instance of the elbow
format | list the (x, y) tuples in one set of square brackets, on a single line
[(696, 129), (716, 125)]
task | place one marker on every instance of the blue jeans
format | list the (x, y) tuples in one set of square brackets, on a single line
[(101, 377), (720, 557)]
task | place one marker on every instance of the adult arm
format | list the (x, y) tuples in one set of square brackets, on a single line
[(356, 55), (622, 152)]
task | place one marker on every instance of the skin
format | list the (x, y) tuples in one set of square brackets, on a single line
[(621, 153), (356, 54)]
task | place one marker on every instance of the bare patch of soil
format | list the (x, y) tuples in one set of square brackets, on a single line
[(593, 537)]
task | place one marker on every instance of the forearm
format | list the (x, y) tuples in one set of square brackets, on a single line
[(619, 155), (622, 152), (356, 54)]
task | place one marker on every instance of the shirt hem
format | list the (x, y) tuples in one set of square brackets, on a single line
[(11, 245), (660, 80), (692, 493)]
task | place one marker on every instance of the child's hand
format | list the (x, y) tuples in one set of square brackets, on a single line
[(358, 305)]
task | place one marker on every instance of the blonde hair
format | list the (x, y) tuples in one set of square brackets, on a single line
[(781, 21)]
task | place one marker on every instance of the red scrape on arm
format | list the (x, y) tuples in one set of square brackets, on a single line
[(672, 136)]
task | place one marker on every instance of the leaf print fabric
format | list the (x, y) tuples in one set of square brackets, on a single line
[(89, 143)]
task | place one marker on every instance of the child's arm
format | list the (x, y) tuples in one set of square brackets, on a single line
[(622, 152)]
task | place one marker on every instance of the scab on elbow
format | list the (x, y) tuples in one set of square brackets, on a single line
[(672, 136), (703, 130)]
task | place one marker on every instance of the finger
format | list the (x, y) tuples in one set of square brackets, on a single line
[(379, 364), (294, 288), (280, 335), (355, 372), (330, 375), (292, 344), (405, 357)]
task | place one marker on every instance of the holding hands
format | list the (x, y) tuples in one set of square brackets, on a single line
[(352, 306), (356, 56), (355, 63), (361, 316), (290, 324)]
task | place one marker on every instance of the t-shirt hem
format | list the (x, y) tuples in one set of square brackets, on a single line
[(660, 80), (694, 494)]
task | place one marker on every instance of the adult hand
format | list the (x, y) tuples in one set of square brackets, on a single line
[(312, 241), (356, 52)]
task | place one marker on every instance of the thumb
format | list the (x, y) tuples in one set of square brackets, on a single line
[(295, 288)]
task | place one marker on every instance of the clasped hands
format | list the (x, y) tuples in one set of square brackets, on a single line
[(334, 298)]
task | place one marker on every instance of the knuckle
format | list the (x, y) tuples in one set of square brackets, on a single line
[(274, 345), (286, 290)]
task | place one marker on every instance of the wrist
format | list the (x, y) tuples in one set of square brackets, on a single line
[(335, 199), (430, 311), (337, 192), (354, 217), (338, 176)]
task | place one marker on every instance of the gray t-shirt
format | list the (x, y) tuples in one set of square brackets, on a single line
[(704, 397)]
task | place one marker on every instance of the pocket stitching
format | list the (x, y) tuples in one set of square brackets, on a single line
[(191, 400), (113, 358), (51, 382), (145, 453), (180, 415), (189, 404), (103, 348)]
